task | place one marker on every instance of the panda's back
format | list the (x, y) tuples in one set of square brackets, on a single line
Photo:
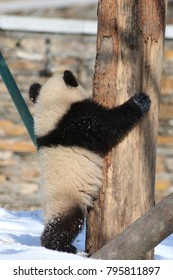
[(69, 175)]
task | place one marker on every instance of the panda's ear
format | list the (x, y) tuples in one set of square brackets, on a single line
[(70, 79), (34, 91)]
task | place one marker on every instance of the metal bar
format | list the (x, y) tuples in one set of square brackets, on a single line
[(17, 97)]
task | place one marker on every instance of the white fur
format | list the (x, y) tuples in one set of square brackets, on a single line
[(70, 176)]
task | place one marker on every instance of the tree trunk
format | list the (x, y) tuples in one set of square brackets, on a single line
[(129, 60)]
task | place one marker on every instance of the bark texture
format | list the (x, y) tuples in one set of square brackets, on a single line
[(129, 60)]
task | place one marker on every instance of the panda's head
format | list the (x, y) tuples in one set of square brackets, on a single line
[(54, 99), (60, 87)]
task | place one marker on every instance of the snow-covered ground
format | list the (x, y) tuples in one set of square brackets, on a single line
[(20, 239)]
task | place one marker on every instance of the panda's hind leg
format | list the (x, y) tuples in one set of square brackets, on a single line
[(60, 232)]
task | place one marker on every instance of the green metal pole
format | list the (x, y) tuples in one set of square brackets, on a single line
[(17, 98)]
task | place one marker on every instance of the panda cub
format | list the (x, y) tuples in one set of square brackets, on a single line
[(73, 134)]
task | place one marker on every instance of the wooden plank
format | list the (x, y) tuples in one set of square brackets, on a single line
[(47, 25), (40, 4)]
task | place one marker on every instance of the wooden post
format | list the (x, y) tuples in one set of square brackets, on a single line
[(129, 60)]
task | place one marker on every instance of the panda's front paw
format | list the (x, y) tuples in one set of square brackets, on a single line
[(142, 101)]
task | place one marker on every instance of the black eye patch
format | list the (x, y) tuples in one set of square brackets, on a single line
[(70, 79), (34, 92)]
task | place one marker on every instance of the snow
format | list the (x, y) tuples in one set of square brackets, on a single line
[(20, 239)]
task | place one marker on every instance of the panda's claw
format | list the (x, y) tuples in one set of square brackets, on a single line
[(142, 101)]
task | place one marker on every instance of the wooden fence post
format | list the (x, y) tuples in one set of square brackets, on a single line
[(129, 60)]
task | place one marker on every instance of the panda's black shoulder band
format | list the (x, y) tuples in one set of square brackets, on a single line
[(70, 79)]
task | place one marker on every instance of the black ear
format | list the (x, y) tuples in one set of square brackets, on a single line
[(34, 91), (70, 79)]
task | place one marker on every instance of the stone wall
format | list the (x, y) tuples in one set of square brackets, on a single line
[(33, 57)]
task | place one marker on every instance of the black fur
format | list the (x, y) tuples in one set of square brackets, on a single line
[(70, 79), (94, 127), (61, 231), (143, 102), (34, 91)]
